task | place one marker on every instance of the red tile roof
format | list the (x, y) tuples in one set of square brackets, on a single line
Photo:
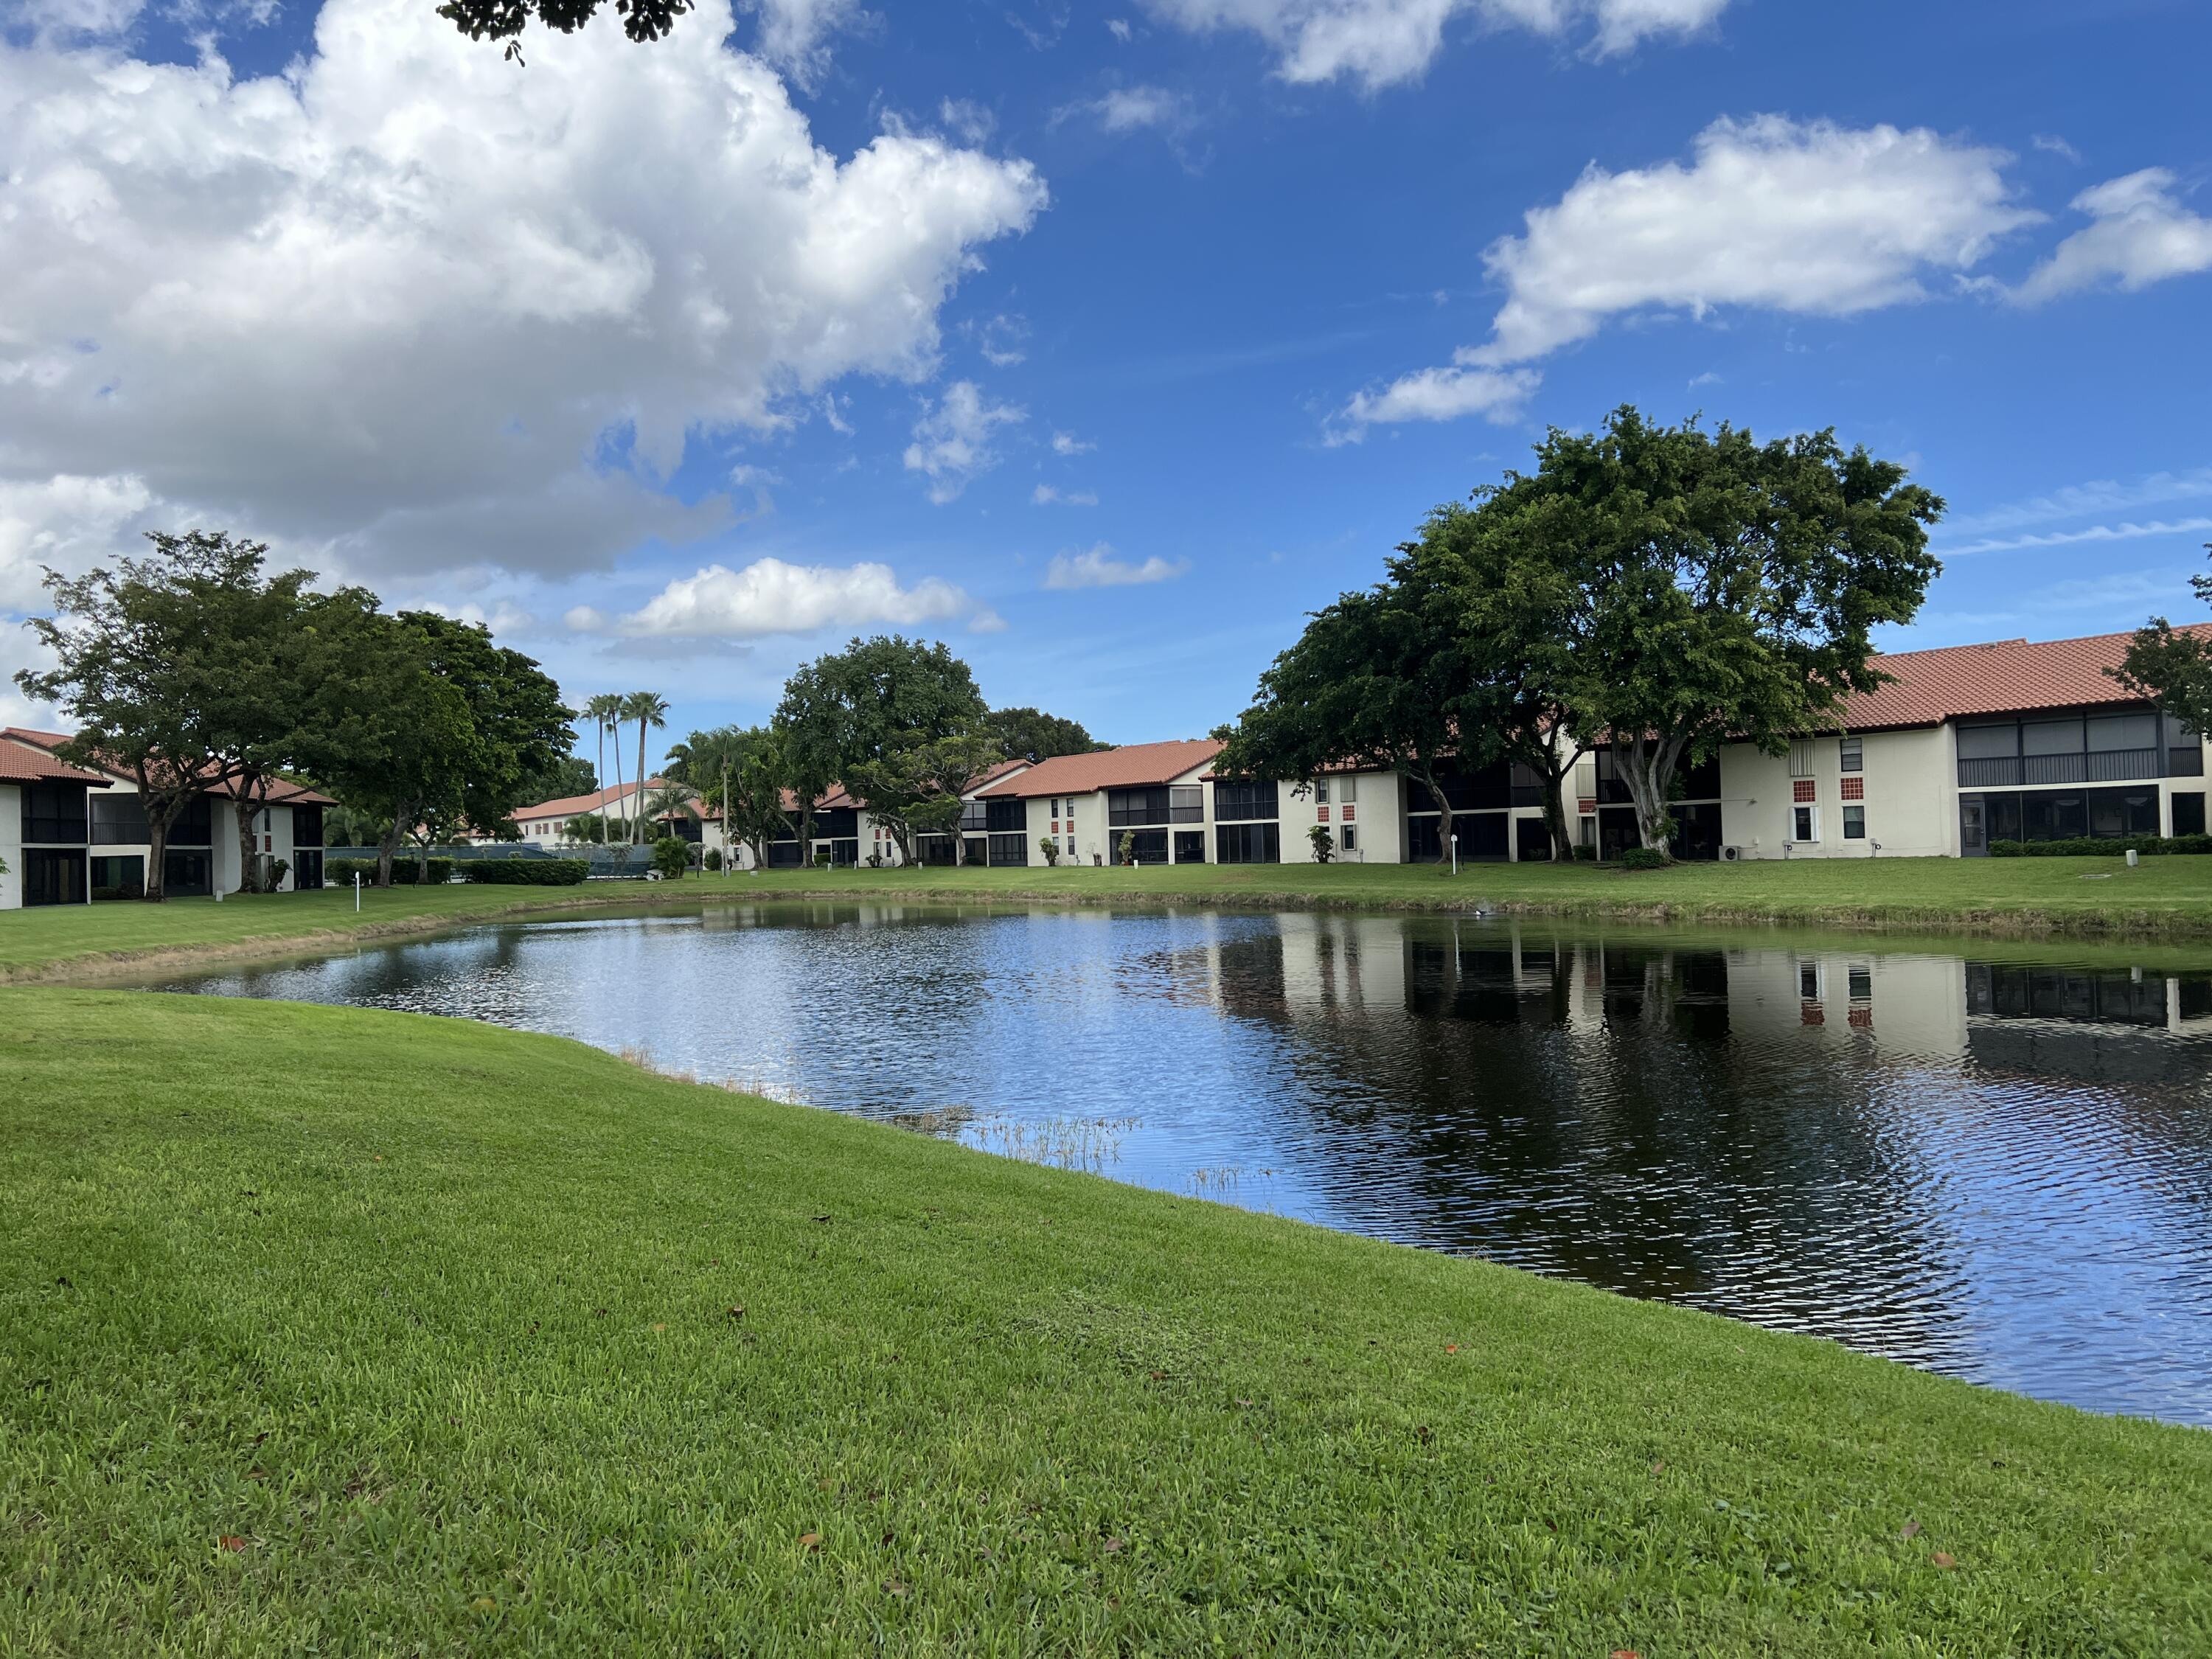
[(23, 763), (282, 792), (1133, 767), (2001, 677), (570, 806)]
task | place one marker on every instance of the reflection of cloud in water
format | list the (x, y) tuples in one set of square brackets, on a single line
[(1998, 1171)]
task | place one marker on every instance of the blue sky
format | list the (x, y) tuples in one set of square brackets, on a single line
[(1102, 343)]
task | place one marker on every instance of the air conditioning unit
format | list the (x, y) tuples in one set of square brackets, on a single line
[(1731, 853)]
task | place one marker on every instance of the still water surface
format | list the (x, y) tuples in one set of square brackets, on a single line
[(2001, 1171)]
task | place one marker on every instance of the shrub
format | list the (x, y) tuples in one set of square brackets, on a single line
[(1586, 855), (1050, 844), (1128, 846), (672, 857), (715, 860), (822, 860), (1324, 843), (1642, 858), (527, 872), (2100, 847), (340, 873)]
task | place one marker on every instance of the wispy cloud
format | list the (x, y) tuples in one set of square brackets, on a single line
[(2096, 532), (1045, 495), (2089, 500), (1096, 567)]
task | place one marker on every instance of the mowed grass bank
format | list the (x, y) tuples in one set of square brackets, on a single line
[(350, 1332), (2166, 897)]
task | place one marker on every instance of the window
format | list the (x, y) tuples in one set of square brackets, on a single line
[(1808, 981), (1007, 817), (1800, 759), (2050, 737), (119, 876), (1348, 790), (973, 817), (1804, 823), (1070, 846), (1239, 801), (1855, 823), (119, 821), (1862, 984), (2188, 814), (1321, 791), (55, 812), (2111, 732), (1349, 838), (1989, 741), (1853, 753), (1247, 843), (1187, 804), (194, 826), (1009, 849), (1129, 807)]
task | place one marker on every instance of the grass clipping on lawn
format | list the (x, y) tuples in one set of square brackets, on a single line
[(359, 1332)]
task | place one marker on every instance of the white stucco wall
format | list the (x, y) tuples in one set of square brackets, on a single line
[(1910, 796), (11, 846)]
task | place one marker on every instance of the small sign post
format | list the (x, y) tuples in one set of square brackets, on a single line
[(356, 892)]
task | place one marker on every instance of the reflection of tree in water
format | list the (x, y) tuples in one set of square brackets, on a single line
[(1585, 1108)]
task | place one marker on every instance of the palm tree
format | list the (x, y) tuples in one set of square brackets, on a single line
[(647, 708), (604, 711)]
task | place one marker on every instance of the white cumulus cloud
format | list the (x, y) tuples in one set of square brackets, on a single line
[(1046, 494), (952, 439), (67, 522), (2139, 234), (416, 308), (1381, 42), (1803, 217), (771, 597), (1096, 567)]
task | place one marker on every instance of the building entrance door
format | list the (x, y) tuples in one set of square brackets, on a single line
[(1973, 830)]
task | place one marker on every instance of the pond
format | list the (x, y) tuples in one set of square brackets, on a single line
[(1996, 1165)]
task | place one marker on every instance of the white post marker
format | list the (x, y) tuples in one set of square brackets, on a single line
[(1455, 855), (356, 890)]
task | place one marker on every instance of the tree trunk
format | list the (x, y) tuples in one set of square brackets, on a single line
[(1444, 824), (249, 847), (637, 819), (1647, 767), (157, 855), (605, 839), (387, 845)]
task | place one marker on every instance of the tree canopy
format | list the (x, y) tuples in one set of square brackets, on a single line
[(504, 19), (440, 729), (2173, 669), (1032, 734), (1375, 681), (1658, 590), (1731, 588)]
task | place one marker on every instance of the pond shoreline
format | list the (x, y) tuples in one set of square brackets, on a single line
[(271, 926)]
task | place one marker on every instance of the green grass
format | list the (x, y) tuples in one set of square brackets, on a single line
[(345, 1332), (2165, 897)]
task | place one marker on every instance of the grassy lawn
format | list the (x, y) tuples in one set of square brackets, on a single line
[(2169, 897), (335, 1331)]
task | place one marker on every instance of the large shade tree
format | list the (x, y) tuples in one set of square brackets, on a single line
[(1032, 734), (1377, 680), (437, 727), (1733, 586), (851, 716), (2172, 666), (189, 673)]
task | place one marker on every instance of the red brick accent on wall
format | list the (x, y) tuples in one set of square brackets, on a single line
[(1854, 788), (1801, 791)]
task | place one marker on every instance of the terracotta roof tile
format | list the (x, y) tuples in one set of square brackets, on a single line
[(569, 806), (2002, 676), (23, 763), (1133, 767)]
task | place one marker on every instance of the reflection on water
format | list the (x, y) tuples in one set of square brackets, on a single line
[(2000, 1171)]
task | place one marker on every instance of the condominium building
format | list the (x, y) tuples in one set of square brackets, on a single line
[(73, 834)]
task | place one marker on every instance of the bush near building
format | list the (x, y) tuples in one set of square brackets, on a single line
[(340, 872), (2099, 846), (526, 873)]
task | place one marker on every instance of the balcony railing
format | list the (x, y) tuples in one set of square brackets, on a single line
[(2096, 766)]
